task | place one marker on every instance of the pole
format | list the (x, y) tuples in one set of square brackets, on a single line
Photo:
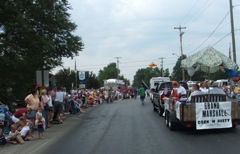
[(232, 30), (181, 34), (118, 66), (162, 65), (76, 73)]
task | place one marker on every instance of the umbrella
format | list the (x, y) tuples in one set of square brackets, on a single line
[(152, 64), (209, 60)]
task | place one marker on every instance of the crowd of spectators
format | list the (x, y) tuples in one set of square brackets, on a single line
[(51, 106)]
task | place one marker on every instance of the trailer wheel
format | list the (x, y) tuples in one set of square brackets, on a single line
[(154, 108), (170, 123), (166, 118)]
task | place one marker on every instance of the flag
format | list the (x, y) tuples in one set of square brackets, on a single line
[(230, 53), (144, 85)]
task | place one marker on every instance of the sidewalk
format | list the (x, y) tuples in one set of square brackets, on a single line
[(52, 134)]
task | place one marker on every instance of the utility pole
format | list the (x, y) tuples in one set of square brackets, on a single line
[(161, 65), (232, 30), (181, 34), (117, 66), (75, 67)]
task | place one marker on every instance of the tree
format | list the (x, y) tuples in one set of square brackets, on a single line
[(93, 81), (177, 70), (108, 72), (166, 73), (145, 74), (34, 34), (65, 78)]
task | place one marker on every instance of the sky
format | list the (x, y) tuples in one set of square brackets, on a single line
[(142, 31)]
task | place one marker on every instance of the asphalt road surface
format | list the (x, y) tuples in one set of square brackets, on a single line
[(127, 127)]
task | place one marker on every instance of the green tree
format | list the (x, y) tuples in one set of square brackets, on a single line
[(145, 74), (126, 81), (65, 78), (93, 81), (177, 70), (33, 35), (166, 73), (108, 72)]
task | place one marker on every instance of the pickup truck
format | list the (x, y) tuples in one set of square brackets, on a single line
[(209, 111), (163, 90)]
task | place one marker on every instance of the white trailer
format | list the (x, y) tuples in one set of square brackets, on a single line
[(157, 80), (113, 84)]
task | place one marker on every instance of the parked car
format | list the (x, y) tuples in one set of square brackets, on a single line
[(162, 91)]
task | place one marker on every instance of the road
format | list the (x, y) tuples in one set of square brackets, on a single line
[(127, 127)]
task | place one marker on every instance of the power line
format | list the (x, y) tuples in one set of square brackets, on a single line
[(224, 37), (189, 10), (202, 9), (211, 33)]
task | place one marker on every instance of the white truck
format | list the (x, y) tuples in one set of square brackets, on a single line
[(154, 82)]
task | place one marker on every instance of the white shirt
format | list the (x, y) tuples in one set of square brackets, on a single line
[(59, 96), (24, 131), (181, 90), (50, 101), (204, 90), (194, 93)]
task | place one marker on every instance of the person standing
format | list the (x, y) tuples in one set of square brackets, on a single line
[(33, 102), (196, 91), (142, 94), (44, 103), (58, 105), (50, 104)]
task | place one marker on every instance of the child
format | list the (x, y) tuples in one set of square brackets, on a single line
[(91, 99), (26, 131), (40, 123), (13, 134), (39, 112)]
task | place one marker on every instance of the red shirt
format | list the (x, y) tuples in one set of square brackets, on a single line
[(19, 112)]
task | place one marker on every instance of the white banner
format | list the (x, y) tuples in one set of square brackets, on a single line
[(82, 75), (178, 109), (213, 115)]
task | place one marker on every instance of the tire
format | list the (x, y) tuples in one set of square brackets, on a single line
[(171, 125), (167, 119), (160, 110), (154, 108)]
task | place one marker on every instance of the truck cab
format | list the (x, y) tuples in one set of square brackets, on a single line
[(163, 90)]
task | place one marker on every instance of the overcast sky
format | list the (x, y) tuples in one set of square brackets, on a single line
[(142, 31)]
